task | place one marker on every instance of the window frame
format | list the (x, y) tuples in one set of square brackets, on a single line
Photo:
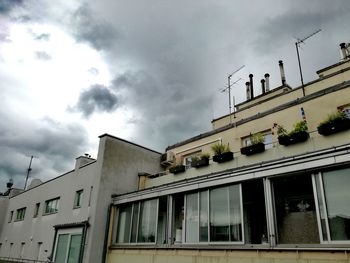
[(36, 210), (78, 197), (46, 212), (20, 214)]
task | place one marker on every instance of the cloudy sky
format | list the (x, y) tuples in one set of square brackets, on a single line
[(149, 71)]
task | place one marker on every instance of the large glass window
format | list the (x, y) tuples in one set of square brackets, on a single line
[(192, 218), (68, 248), (295, 210), (142, 222), (333, 199)]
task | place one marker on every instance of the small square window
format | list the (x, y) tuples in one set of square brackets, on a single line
[(20, 214), (51, 206), (77, 199)]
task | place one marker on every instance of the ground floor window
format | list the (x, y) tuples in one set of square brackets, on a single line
[(68, 246)]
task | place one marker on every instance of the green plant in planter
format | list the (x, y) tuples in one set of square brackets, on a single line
[(177, 167), (298, 134), (220, 148), (222, 153), (335, 122), (257, 144), (257, 138), (201, 160)]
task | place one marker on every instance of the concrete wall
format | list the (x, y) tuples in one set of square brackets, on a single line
[(120, 162), (32, 230), (225, 256)]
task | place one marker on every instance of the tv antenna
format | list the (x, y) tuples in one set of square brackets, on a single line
[(229, 85), (29, 170), (297, 45)]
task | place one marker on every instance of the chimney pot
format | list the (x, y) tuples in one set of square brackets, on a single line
[(262, 86), (251, 86), (248, 89), (283, 76), (267, 82), (343, 50)]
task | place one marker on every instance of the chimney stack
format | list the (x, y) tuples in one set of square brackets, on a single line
[(251, 86), (248, 89), (267, 82), (262, 86), (283, 76), (343, 51)]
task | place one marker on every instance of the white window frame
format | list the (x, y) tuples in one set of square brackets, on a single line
[(78, 197), (71, 232), (57, 201)]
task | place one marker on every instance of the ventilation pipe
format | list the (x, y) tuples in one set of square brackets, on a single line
[(248, 89), (251, 86), (343, 51), (283, 76), (267, 82), (262, 86)]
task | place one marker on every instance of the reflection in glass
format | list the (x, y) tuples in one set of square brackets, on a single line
[(135, 221), (219, 214), (203, 216), (74, 249), (162, 220), (61, 249), (124, 220), (295, 210), (148, 221), (337, 195), (192, 218), (235, 213)]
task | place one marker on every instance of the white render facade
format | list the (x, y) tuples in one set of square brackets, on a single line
[(64, 219)]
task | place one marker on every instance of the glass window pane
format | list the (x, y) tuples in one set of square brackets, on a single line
[(255, 226), (178, 217), (61, 248), (124, 223), (337, 195), (219, 214), (135, 220), (74, 249), (148, 221), (203, 216), (295, 210), (192, 218), (235, 213), (162, 220), (321, 207)]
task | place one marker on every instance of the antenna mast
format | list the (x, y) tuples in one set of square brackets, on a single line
[(29, 170), (229, 85), (297, 45)]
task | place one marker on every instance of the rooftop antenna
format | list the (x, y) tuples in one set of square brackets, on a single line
[(229, 85), (29, 170), (297, 45)]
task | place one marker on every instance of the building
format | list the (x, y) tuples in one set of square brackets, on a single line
[(279, 194), (64, 219)]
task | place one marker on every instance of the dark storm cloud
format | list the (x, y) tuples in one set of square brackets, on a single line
[(7, 5), (55, 145), (41, 55), (298, 23), (97, 98), (93, 30)]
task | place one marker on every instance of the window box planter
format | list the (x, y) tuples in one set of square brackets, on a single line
[(253, 149), (334, 126), (180, 168), (200, 162), (297, 137), (223, 157)]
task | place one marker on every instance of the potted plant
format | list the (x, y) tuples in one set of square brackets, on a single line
[(200, 161), (257, 145), (298, 134), (222, 153), (177, 167), (334, 123)]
